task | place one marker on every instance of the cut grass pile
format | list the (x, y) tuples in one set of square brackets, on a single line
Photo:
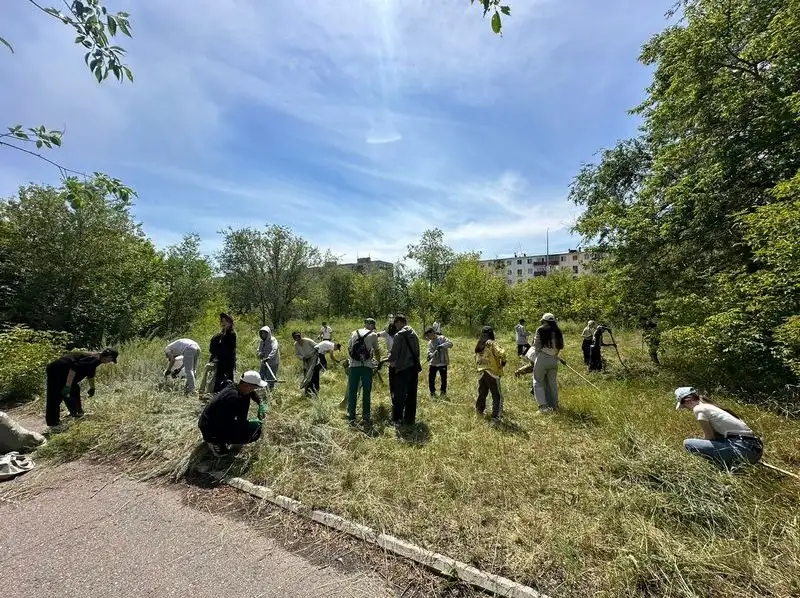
[(598, 499)]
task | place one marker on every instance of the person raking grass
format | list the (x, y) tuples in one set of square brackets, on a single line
[(306, 352), (63, 382), (190, 351), (438, 360), (223, 422), (490, 360), (727, 440)]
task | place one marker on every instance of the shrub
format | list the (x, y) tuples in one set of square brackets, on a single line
[(24, 353)]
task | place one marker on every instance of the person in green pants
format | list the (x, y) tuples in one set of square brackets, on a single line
[(364, 357)]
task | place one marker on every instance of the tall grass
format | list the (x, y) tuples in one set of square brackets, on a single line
[(598, 499)]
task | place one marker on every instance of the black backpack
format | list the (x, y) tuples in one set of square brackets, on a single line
[(359, 351)]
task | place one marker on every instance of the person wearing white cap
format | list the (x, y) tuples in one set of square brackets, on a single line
[(547, 344), (727, 439), (586, 341), (224, 422)]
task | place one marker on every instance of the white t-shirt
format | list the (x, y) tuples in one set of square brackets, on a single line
[(370, 340), (388, 338), (324, 347), (326, 332), (722, 422), (522, 334), (177, 347)]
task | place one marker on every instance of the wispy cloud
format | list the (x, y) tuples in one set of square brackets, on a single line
[(359, 127)]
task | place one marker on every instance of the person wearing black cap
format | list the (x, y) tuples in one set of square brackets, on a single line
[(223, 351), (63, 378), (404, 358)]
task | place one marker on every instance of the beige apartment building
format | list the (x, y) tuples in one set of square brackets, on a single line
[(520, 268)]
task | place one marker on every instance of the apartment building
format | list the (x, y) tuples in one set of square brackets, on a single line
[(367, 265), (520, 268)]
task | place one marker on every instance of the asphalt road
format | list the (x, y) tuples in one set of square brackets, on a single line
[(88, 531)]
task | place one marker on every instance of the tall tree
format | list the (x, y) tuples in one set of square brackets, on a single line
[(188, 282), (73, 259), (671, 210), (476, 296), (433, 256), (266, 270)]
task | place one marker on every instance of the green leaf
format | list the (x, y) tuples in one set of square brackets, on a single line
[(128, 73), (6, 44), (112, 25), (496, 24), (56, 139), (39, 143), (124, 28), (98, 73), (506, 10)]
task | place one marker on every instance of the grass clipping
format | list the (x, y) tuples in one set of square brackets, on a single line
[(598, 499)]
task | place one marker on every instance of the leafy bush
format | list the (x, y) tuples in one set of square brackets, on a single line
[(24, 353)]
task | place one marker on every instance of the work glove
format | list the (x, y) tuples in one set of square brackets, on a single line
[(563, 361), (91, 392), (254, 420), (262, 410), (175, 373), (65, 392)]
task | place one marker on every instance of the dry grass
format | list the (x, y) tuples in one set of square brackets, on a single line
[(596, 500)]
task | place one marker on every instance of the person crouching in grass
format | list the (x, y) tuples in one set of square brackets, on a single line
[(490, 359), (727, 440), (223, 422)]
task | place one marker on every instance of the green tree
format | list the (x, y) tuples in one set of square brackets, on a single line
[(266, 271), (671, 210), (433, 256), (475, 296), (188, 283), (95, 27), (73, 259)]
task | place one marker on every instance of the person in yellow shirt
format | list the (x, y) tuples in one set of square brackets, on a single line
[(490, 360)]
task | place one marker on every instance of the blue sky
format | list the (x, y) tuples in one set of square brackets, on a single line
[(359, 127)]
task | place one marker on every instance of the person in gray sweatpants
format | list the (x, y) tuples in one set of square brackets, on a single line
[(547, 344)]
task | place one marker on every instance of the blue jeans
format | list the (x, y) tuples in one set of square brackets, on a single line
[(726, 452)]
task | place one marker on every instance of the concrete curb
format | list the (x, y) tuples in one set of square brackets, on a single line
[(440, 563)]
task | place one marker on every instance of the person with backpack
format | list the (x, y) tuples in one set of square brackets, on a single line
[(63, 378), (269, 354), (438, 360), (306, 352), (189, 350), (364, 356), (490, 360), (404, 358), (586, 341), (727, 440), (522, 338), (547, 344)]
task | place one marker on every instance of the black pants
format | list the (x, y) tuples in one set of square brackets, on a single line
[(487, 384), (313, 386), (392, 383), (56, 381), (595, 359), (522, 349), (586, 346), (224, 372), (244, 433), (404, 400), (323, 362), (442, 369)]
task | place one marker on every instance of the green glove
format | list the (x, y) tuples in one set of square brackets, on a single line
[(65, 392), (254, 420), (262, 410)]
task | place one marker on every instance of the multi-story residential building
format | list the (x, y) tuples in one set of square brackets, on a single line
[(367, 265), (520, 268)]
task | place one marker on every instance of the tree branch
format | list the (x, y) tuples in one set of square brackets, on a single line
[(63, 169)]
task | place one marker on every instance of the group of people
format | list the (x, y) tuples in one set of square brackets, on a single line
[(224, 422)]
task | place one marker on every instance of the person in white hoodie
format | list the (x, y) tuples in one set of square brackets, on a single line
[(269, 355)]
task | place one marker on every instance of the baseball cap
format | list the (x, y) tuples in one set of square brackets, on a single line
[(548, 317), (254, 378), (110, 352), (369, 322), (683, 392)]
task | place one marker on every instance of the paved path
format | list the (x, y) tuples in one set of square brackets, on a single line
[(82, 530)]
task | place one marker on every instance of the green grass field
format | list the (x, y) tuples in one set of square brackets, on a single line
[(598, 499)]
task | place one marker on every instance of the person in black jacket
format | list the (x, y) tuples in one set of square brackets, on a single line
[(223, 351), (404, 358), (63, 377), (224, 422)]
